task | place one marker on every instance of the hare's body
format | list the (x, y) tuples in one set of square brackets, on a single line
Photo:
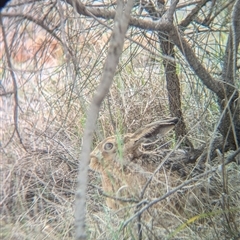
[(126, 169)]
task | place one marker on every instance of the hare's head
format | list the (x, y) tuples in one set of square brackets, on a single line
[(113, 156), (116, 151)]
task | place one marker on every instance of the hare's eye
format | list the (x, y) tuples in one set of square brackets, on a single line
[(108, 146)]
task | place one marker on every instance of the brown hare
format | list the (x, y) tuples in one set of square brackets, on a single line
[(126, 167), (137, 169)]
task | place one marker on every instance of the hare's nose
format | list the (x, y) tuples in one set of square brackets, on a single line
[(95, 161), (97, 155)]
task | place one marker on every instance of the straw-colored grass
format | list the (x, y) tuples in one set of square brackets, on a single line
[(39, 166)]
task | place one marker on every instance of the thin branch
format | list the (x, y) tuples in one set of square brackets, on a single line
[(170, 12), (109, 14), (34, 20), (235, 33), (231, 157), (6, 93), (196, 65), (121, 199), (39, 23), (219, 11), (218, 168), (15, 87), (187, 4), (167, 195), (159, 167), (115, 50), (185, 22)]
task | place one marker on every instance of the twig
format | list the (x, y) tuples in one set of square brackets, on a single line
[(186, 21), (6, 93), (231, 157), (40, 23), (218, 168), (15, 87), (158, 168), (121, 199)]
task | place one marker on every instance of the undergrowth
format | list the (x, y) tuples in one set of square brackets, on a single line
[(40, 146)]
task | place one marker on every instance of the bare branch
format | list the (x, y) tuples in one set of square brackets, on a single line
[(219, 11), (195, 64), (15, 87), (170, 12), (235, 32), (115, 50), (6, 93), (128, 200), (38, 22), (229, 126), (185, 22), (109, 14), (231, 158)]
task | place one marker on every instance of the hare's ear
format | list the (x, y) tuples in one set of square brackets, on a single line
[(156, 128)]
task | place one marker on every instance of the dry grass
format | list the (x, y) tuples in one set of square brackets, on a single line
[(39, 167)]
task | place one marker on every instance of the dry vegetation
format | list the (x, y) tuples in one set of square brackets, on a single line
[(55, 65)]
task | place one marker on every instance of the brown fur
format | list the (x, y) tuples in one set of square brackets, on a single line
[(123, 167)]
